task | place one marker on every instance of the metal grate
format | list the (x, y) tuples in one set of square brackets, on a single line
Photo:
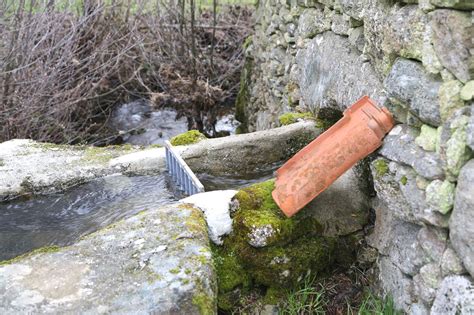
[(180, 172)]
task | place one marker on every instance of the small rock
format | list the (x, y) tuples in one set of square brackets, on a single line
[(467, 91), (451, 263), (409, 84), (451, 37), (449, 98), (427, 138), (433, 242), (455, 296), (440, 195), (461, 225)]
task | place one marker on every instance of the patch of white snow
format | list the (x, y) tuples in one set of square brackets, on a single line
[(215, 205)]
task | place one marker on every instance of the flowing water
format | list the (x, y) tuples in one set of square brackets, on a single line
[(61, 219)]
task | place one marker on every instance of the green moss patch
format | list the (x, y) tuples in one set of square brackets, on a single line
[(291, 118), (381, 167), (42, 250), (189, 137), (268, 249)]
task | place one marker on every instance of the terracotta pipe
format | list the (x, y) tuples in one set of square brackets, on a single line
[(320, 163)]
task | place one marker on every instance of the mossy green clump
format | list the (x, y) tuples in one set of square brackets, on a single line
[(381, 167), (291, 118), (189, 137), (268, 249), (403, 180), (204, 303)]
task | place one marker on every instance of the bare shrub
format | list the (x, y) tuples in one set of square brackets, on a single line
[(63, 66)]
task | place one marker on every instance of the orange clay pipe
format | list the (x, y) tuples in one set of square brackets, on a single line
[(320, 163)]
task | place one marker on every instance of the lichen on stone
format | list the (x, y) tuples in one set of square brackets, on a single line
[(427, 138), (449, 98), (189, 137), (457, 150), (440, 195), (381, 167), (291, 118)]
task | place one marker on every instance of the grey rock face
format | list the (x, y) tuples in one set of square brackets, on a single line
[(470, 130), (333, 74), (397, 240), (452, 39), (398, 187), (31, 167), (433, 241), (404, 33), (399, 285), (462, 219), (399, 146), (342, 209), (353, 8), (312, 22), (135, 266), (409, 84), (455, 296)]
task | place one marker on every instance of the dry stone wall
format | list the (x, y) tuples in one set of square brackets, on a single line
[(414, 57)]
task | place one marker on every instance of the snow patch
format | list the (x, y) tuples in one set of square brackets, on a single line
[(215, 205)]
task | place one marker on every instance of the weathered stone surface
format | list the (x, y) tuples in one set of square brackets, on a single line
[(453, 142), (451, 263), (403, 35), (462, 219), (395, 283), (452, 39), (250, 153), (312, 22), (467, 92), (399, 146), (409, 84), (421, 282), (440, 195), (397, 186), (353, 8), (427, 138), (455, 296), (155, 262), (333, 74), (340, 24), (343, 207), (470, 130), (356, 38), (456, 4), (449, 98), (30, 167), (397, 240), (433, 241)]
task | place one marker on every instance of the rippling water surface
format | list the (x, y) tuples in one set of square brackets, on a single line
[(61, 219)]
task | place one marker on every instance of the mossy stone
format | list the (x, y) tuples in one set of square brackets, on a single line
[(189, 137), (467, 92), (291, 118), (457, 150), (381, 167), (449, 98), (440, 195), (427, 138)]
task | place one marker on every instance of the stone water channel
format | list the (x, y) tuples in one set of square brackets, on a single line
[(152, 255)]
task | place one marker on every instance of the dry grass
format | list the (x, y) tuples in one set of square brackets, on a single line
[(64, 65)]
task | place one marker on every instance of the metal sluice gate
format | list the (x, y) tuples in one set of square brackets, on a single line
[(180, 173)]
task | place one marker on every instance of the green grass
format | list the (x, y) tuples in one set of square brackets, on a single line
[(371, 305), (309, 299)]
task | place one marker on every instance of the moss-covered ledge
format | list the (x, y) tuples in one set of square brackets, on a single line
[(158, 261)]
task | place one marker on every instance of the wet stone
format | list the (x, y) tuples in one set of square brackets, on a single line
[(137, 265)]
